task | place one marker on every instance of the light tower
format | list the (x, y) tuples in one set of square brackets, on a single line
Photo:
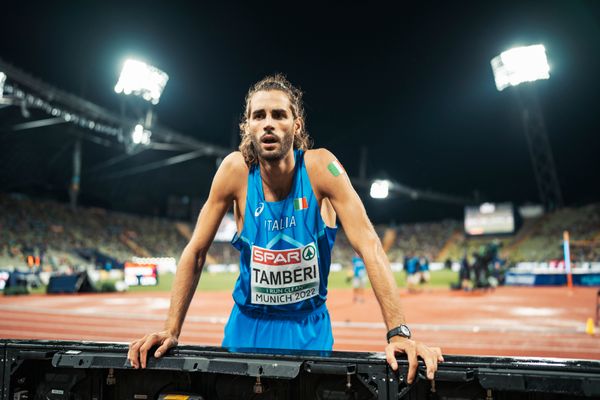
[(518, 67), (145, 82)]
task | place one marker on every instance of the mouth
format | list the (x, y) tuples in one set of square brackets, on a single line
[(269, 139)]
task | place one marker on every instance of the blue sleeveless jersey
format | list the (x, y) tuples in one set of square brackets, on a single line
[(285, 250)]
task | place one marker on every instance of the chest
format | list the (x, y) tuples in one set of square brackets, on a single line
[(239, 208)]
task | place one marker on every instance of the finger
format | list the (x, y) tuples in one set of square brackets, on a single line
[(438, 352), (144, 352), (413, 363), (167, 344), (130, 356), (129, 350), (143, 355), (151, 341), (390, 355), (431, 363), (133, 354)]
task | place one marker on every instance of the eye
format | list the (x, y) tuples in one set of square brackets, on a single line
[(258, 115), (279, 114)]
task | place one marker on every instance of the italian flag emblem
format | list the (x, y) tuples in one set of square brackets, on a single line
[(335, 168), (300, 204)]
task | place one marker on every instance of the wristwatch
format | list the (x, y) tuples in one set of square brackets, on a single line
[(401, 330)]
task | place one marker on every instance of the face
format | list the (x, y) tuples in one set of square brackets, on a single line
[(271, 124)]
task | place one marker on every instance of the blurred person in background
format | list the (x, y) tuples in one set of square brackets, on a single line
[(359, 279), (411, 266), (424, 275)]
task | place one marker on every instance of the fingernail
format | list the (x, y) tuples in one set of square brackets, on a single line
[(430, 375), (158, 354), (394, 366), (409, 381)]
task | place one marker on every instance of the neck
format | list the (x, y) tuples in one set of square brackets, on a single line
[(277, 176)]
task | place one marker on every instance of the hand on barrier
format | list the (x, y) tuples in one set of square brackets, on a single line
[(138, 349), (413, 350)]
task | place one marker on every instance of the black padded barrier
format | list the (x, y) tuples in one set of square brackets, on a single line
[(83, 370)]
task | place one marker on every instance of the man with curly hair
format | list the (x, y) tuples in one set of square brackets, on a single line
[(286, 199)]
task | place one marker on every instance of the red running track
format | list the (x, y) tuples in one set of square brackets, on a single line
[(534, 322)]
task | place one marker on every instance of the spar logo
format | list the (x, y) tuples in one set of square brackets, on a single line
[(276, 257), (308, 253)]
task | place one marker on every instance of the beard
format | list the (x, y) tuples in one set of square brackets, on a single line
[(285, 144)]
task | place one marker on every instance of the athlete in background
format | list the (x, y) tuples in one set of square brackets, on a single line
[(285, 199), (359, 280), (424, 274), (411, 266)]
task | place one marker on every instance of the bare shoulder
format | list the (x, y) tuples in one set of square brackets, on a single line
[(322, 160), (319, 159), (324, 169), (234, 163), (231, 176), (316, 155)]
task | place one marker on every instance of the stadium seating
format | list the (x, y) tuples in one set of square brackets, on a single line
[(52, 230)]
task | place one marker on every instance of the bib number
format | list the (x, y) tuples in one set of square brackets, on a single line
[(280, 277)]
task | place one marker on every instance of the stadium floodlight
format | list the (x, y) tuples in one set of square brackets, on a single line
[(2, 80), (141, 79), (520, 64), (380, 189), (140, 135)]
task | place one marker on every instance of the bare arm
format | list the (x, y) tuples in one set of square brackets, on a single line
[(360, 233), (192, 260), (222, 194), (364, 240)]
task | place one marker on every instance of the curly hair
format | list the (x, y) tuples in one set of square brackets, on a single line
[(274, 82)]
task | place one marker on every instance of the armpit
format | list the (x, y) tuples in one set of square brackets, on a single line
[(328, 213)]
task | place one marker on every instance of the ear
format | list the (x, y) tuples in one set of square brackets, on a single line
[(298, 125), (244, 127)]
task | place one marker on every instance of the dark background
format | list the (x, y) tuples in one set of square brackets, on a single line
[(411, 82)]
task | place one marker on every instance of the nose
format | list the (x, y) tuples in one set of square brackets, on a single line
[(268, 124)]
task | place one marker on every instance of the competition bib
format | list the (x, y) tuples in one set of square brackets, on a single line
[(281, 277)]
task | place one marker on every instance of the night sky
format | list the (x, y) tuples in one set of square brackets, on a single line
[(412, 83)]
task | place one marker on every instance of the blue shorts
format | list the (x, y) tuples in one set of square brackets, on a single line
[(262, 331)]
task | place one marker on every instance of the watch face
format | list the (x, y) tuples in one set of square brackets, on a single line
[(405, 330)]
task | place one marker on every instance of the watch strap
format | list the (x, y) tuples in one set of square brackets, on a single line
[(398, 331)]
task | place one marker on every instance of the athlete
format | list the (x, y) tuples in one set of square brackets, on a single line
[(285, 199), (412, 277), (424, 274), (359, 280)]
